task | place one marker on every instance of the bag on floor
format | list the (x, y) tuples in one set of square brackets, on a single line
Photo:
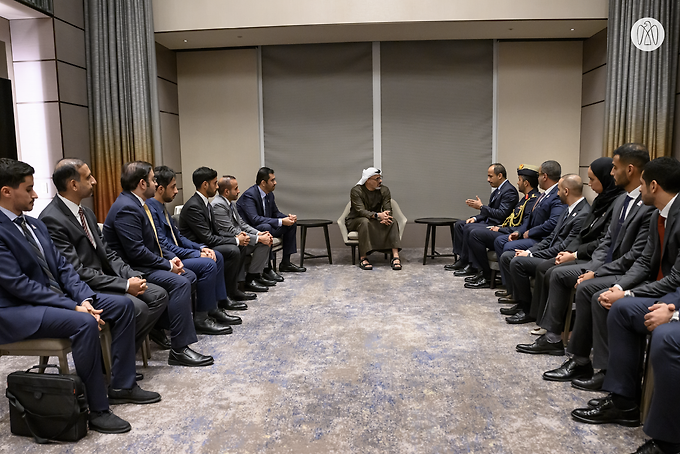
[(47, 406)]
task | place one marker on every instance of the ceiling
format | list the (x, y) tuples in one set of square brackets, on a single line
[(407, 31), (11, 10)]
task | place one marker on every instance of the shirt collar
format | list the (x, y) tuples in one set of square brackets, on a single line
[(262, 193), (573, 205), (667, 208), (225, 199), (204, 198), (634, 193), (500, 185), (9, 214), (75, 209), (547, 191), (138, 198)]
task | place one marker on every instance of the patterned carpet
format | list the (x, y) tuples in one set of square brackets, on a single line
[(340, 360)]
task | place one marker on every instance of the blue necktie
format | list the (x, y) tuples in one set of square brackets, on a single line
[(617, 229), (54, 285)]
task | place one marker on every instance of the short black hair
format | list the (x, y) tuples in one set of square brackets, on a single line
[(665, 171), (553, 169), (13, 172), (203, 174), (531, 179), (66, 170), (633, 153), (263, 175), (499, 168), (163, 175), (133, 172)]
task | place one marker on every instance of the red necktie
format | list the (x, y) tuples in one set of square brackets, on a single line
[(661, 227), (81, 213)]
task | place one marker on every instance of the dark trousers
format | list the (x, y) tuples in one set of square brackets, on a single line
[(206, 271), (231, 263), (557, 283), (520, 270), (479, 240), (502, 245), (590, 328), (288, 235), (461, 238), (82, 329), (627, 334), (177, 318)]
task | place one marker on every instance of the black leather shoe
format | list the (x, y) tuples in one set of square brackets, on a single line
[(650, 447), (266, 282), (291, 268), (480, 283), (238, 305), (606, 413), (501, 293), (134, 395), (159, 338), (107, 423), (541, 346), (519, 318), (506, 300), (254, 286), (138, 376), (190, 358), (568, 371), (459, 265), (594, 383), (272, 275), (221, 316), (211, 327), (475, 277), (240, 296), (512, 310), (468, 270), (597, 401)]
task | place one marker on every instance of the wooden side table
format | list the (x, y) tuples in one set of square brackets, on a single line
[(432, 224), (305, 224)]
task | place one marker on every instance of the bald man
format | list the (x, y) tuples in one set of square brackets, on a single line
[(520, 265)]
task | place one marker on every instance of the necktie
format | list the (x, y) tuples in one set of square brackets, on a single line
[(153, 226), (537, 202), (560, 222), (617, 229), (167, 218), (81, 213), (661, 228), (54, 285)]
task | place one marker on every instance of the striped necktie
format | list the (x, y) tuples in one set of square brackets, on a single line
[(81, 213), (153, 226), (54, 285)]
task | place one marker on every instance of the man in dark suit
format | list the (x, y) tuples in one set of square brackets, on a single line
[(41, 296), (502, 200), (230, 223), (130, 231), (622, 245), (197, 223), (75, 232), (258, 208), (208, 265), (520, 265)]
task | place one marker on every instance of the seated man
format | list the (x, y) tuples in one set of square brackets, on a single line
[(520, 265), (230, 223), (481, 239), (197, 223), (207, 264), (371, 215), (41, 296), (75, 232), (629, 323), (130, 231), (501, 202), (258, 208)]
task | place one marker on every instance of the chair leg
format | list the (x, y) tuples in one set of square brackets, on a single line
[(493, 279), (146, 352), (567, 320), (354, 254), (63, 363), (43, 361), (647, 386)]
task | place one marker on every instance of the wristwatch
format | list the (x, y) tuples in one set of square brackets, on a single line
[(676, 316), (375, 215)]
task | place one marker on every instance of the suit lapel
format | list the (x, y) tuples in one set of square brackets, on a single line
[(21, 240), (670, 223), (45, 243)]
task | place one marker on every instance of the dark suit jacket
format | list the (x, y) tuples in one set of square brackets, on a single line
[(543, 217), (128, 231), (629, 243), (186, 249), (24, 291), (251, 210), (195, 223), (501, 204), (102, 269), (641, 277), (567, 228)]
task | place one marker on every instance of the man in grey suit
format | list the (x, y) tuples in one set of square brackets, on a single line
[(230, 223), (75, 233)]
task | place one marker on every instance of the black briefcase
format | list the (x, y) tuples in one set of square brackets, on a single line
[(47, 406)]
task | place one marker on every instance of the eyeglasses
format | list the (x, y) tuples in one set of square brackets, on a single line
[(377, 178)]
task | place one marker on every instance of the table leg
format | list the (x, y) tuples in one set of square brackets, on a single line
[(434, 239), (427, 242), (328, 244), (303, 240)]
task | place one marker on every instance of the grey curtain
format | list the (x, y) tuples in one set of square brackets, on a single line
[(640, 99), (121, 86)]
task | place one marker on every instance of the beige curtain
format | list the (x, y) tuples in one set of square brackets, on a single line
[(641, 85), (121, 73)]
